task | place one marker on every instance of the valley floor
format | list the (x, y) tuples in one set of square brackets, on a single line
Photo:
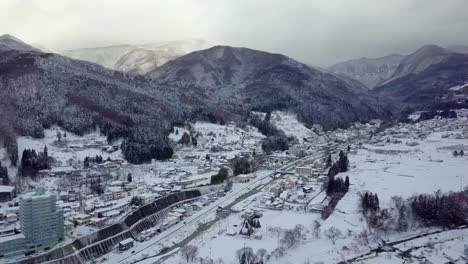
[(408, 167)]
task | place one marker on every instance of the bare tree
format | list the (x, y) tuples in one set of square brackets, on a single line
[(246, 255), (466, 252), (278, 252), (189, 252), (292, 236), (289, 239), (206, 260), (333, 234), (402, 221), (316, 229), (261, 253), (363, 237)]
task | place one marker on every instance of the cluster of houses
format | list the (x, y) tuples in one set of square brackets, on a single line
[(9, 210), (410, 134), (191, 167), (290, 193)]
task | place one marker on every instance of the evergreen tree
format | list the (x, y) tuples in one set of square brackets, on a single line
[(365, 201), (376, 201), (242, 166), (243, 259), (5, 180), (347, 182), (45, 151), (343, 162), (267, 117), (86, 162), (220, 177), (129, 177), (185, 139), (194, 141), (329, 161), (31, 163)]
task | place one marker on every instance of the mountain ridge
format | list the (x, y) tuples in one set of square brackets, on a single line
[(238, 75), (137, 59)]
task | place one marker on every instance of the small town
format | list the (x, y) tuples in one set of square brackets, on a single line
[(97, 206)]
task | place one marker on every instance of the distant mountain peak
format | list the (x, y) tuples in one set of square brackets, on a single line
[(138, 59), (430, 50), (9, 42), (420, 60), (369, 71), (458, 48)]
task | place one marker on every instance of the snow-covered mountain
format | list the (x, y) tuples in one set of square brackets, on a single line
[(419, 61), (369, 71), (425, 76), (458, 48), (105, 56), (139, 59), (8, 42), (257, 80), (39, 89)]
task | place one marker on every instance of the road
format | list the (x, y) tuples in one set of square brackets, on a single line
[(390, 246)]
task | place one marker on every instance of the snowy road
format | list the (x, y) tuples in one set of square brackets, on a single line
[(391, 246)]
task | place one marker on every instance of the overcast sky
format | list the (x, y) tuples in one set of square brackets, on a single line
[(318, 32)]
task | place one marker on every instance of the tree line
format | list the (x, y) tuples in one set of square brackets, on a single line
[(96, 159), (32, 162), (5, 180), (335, 187), (275, 139), (220, 177), (437, 209)]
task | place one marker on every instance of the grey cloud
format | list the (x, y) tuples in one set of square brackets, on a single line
[(319, 32)]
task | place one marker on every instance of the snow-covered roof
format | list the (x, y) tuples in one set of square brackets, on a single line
[(9, 238), (6, 188), (126, 241)]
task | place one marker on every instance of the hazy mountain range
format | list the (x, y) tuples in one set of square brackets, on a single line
[(373, 72), (424, 76), (138, 59)]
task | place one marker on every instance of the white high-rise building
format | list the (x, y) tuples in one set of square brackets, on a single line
[(41, 220)]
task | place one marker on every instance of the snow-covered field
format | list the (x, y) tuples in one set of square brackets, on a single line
[(73, 149), (290, 125), (397, 169)]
